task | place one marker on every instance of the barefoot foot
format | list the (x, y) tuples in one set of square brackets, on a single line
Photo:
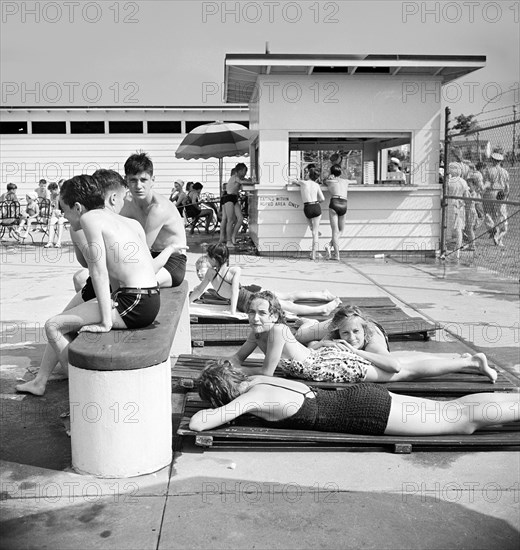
[(331, 306), (480, 361), (31, 387), (327, 295)]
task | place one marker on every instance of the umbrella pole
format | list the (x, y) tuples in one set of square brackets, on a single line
[(220, 175)]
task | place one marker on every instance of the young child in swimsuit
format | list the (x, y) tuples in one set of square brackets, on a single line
[(30, 215), (329, 363), (312, 195), (226, 282), (56, 219), (350, 330), (118, 257), (366, 409)]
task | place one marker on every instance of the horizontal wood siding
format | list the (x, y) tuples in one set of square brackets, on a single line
[(26, 159), (378, 221)]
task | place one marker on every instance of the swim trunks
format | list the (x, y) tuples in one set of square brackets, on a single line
[(138, 307), (87, 292), (311, 209), (175, 266), (328, 364), (339, 205), (360, 409), (228, 197)]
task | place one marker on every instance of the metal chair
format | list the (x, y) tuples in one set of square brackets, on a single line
[(10, 217)]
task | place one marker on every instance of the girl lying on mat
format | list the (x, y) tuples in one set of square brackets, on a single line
[(328, 364), (226, 282), (361, 409), (350, 330)]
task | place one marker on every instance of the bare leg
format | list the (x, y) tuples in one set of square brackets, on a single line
[(229, 208), (223, 226), (238, 224), (333, 218), (58, 329), (324, 295), (301, 309), (418, 416), (57, 244), (315, 225), (413, 368)]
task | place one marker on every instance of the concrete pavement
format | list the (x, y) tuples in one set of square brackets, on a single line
[(255, 499)]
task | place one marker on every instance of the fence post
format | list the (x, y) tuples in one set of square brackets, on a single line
[(445, 179)]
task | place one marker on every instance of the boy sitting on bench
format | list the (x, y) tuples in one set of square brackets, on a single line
[(117, 255)]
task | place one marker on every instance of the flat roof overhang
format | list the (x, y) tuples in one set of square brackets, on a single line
[(242, 70)]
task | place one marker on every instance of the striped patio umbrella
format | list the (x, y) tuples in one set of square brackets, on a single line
[(215, 140)]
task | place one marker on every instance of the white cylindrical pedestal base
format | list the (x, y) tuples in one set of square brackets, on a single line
[(121, 421)]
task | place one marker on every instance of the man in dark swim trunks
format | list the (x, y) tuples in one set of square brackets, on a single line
[(162, 223), (338, 188), (232, 217)]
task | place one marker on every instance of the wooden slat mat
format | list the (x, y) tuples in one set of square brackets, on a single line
[(249, 432), (215, 331), (188, 367)]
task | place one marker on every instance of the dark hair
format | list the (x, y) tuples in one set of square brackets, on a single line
[(197, 186), (313, 174), (137, 163), (52, 186), (12, 187), (109, 180), (347, 312), (218, 252), (274, 305), (43, 181), (84, 190), (219, 382), (335, 170), (240, 166)]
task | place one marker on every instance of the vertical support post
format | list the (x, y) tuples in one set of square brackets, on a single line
[(444, 204)]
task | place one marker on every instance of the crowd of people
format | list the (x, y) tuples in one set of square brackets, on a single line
[(488, 186), (107, 211)]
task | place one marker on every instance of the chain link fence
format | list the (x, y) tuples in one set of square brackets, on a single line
[(481, 195)]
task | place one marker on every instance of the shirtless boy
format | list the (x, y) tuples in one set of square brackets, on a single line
[(162, 223), (231, 210), (312, 195), (117, 255), (338, 188)]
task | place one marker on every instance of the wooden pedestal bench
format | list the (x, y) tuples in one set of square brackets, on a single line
[(120, 393), (249, 432)]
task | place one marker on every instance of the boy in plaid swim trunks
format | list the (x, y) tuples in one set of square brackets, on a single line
[(109, 237)]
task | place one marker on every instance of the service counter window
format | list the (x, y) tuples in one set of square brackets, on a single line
[(364, 158)]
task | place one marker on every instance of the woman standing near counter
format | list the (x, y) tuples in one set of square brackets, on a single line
[(338, 188)]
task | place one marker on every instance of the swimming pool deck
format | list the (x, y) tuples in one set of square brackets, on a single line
[(258, 499)]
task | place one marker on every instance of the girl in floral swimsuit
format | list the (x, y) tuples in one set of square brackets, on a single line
[(336, 362)]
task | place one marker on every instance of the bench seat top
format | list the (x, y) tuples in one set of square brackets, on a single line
[(132, 349)]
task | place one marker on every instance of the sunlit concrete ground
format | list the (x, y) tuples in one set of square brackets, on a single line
[(259, 499)]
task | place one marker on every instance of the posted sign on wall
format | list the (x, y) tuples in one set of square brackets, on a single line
[(276, 201)]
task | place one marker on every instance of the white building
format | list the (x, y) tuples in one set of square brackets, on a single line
[(55, 143), (362, 105)]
